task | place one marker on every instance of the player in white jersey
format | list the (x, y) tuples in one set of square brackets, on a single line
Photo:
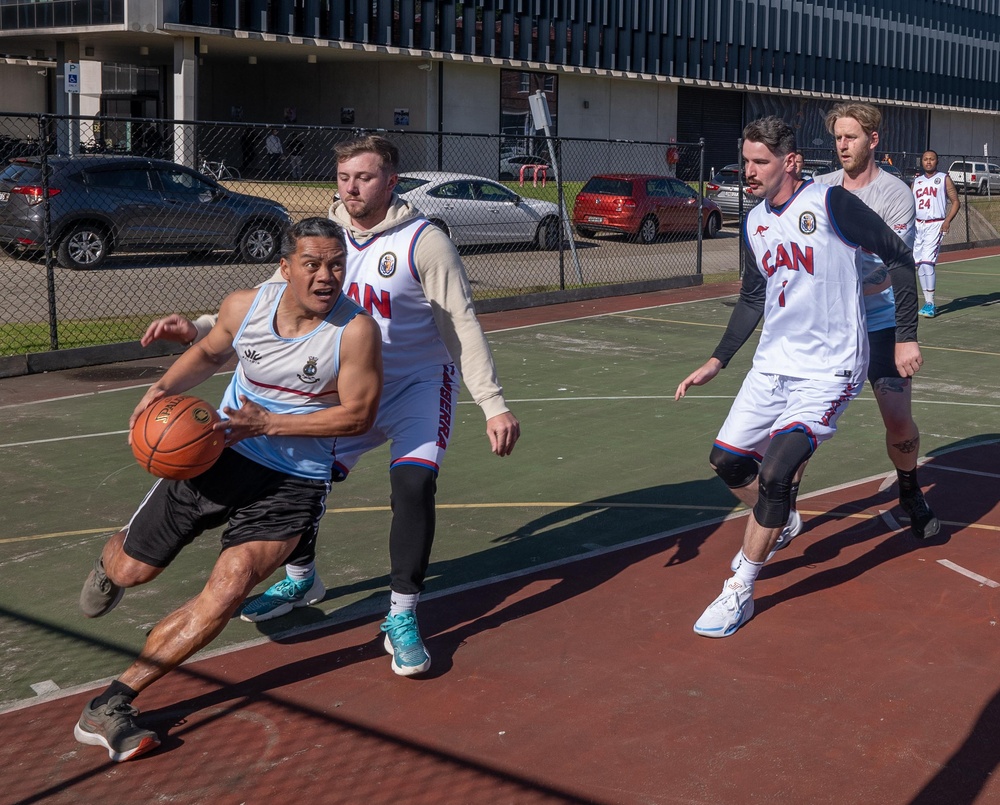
[(801, 274), (409, 276), (937, 206), (309, 371)]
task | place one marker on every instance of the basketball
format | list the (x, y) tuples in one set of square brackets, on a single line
[(173, 437)]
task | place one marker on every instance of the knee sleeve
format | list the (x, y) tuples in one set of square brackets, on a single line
[(785, 454), (412, 531), (735, 470)]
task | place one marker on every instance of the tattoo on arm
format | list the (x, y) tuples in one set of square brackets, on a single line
[(877, 277)]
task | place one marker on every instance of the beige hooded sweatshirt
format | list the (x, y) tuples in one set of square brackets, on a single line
[(446, 286)]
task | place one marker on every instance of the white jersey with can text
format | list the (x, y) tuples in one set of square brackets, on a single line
[(931, 197), (288, 376), (381, 277), (814, 320)]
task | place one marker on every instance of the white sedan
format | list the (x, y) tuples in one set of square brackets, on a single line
[(473, 210)]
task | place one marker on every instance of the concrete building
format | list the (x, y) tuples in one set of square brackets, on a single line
[(612, 69)]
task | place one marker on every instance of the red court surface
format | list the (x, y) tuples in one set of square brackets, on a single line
[(867, 675)]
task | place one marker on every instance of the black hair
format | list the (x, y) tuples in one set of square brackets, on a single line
[(310, 228), (773, 132)]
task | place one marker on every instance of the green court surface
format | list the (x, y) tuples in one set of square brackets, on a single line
[(606, 458)]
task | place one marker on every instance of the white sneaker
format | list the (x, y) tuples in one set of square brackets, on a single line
[(728, 612), (791, 530)]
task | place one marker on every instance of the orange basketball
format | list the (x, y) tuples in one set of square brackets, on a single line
[(173, 437)]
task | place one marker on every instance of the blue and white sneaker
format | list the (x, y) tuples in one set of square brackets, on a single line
[(402, 641), (280, 598), (791, 530), (728, 612), (928, 311)]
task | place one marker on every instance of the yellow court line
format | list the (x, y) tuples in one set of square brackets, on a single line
[(33, 537), (539, 505), (669, 321)]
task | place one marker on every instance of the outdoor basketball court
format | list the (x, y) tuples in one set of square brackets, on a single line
[(562, 591)]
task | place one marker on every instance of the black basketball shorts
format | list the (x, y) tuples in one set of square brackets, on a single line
[(255, 503)]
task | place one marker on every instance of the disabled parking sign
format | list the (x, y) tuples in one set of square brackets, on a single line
[(72, 77)]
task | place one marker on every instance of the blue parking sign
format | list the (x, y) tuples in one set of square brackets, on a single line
[(72, 77)]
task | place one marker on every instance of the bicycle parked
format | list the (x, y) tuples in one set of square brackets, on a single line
[(219, 171)]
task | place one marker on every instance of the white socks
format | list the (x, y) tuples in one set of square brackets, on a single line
[(748, 571), (300, 572), (927, 277), (400, 602)]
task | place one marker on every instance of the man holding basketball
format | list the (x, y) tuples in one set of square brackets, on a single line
[(310, 371), (409, 276)]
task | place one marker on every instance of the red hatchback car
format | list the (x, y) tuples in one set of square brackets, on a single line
[(642, 206)]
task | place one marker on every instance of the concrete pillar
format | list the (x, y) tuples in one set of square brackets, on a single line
[(185, 99)]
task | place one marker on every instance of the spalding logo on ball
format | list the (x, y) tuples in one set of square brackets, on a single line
[(173, 437)]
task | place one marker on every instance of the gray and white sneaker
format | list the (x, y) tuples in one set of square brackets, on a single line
[(99, 594), (113, 726)]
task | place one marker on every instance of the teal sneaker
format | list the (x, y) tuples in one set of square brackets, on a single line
[(402, 641), (280, 598), (928, 311)]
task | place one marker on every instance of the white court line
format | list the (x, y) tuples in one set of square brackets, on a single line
[(974, 576), (64, 438), (522, 401), (939, 468)]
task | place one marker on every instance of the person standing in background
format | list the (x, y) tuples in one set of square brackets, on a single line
[(937, 206), (275, 150)]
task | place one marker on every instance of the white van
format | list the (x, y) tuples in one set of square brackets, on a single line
[(975, 177)]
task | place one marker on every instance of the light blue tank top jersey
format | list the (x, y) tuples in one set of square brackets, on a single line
[(288, 376)]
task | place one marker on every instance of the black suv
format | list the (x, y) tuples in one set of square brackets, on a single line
[(101, 203)]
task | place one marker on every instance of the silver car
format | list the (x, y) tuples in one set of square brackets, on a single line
[(725, 190), (473, 210)]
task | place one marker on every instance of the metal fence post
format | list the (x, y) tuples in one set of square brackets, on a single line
[(563, 223), (701, 202), (742, 188), (965, 191), (50, 275)]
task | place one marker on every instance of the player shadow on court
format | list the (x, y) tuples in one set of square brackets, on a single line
[(647, 518), (564, 535), (965, 302), (644, 515), (965, 774), (955, 496)]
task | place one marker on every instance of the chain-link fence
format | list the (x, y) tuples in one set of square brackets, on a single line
[(106, 224), (977, 180)]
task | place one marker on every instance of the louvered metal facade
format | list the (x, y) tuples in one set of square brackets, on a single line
[(912, 51)]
